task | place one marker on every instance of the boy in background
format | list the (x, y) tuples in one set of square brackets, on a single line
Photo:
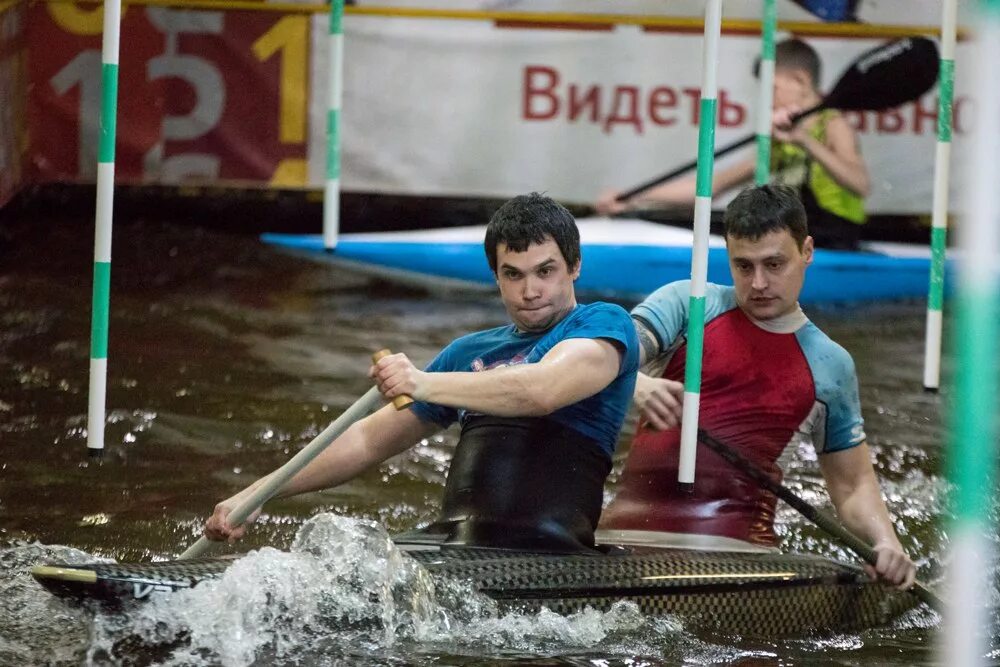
[(818, 156)]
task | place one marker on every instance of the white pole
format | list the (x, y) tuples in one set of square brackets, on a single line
[(331, 190), (939, 219), (699, 251), (765, 95), (102, 230)]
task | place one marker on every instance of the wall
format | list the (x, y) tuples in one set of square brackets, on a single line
[(467, 105), (13, 92)]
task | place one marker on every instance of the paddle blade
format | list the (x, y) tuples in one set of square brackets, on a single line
[(887, 76)]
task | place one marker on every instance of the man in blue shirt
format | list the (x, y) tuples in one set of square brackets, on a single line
[(540, 402)]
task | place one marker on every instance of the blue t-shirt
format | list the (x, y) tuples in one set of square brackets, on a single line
[(599, 417)]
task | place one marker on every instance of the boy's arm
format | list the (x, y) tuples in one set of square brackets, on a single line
[(840, 155), (678, 192)]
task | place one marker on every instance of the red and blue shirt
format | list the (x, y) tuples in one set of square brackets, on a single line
[(767, 387)]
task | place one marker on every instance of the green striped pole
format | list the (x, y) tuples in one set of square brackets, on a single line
[(102, 230), (939, 218), (699, 251), (331, 191), (972, 449), (765, 99)]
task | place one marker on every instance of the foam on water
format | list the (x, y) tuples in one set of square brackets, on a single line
[(345, 585), (36, 627), (343, 590), (215, 368)]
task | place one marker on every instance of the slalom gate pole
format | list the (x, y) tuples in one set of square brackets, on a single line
[(331, 189), (699, 251), (765, 98), (101, 300), (939, 217)]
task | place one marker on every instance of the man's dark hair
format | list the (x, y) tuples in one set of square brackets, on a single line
[(795, 54), (763, 209), (528, 219)]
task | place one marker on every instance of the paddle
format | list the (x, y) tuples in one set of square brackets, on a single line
[(885, 77), (367, 403), (822, 519)]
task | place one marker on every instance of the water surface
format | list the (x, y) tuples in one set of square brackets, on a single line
[(226, 357)]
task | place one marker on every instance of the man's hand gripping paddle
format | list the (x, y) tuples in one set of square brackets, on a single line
[(364, 405)]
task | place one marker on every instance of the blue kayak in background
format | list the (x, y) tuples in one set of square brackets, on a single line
[(623, 260)]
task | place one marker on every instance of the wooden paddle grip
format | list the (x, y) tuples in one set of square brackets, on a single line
[(401, 402)]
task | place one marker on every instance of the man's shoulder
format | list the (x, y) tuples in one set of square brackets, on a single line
[(718, 298), (823, 351), (597, 319), (681, 290), (665, 312), (462, 351), (477, 338), (836, 386), (599, 309)]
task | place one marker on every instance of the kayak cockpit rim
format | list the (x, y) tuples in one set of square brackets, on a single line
[(666, 540)]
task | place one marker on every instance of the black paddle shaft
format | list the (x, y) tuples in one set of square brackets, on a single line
[(822, 519), (885, 77)]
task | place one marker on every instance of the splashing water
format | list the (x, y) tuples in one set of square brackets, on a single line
[(30, 619), (227, 370), (343, 586)]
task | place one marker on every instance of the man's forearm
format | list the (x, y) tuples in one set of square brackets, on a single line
[(363, 445), (570, 372), (515, 391), (341, 461), (864, 512)]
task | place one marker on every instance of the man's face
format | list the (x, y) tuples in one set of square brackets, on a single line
[(536, 285), (768, 273)]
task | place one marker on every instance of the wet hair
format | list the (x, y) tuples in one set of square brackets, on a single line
[(795, 54), (528, 219), (763, 209)]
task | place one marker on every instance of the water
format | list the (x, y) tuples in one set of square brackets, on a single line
[(225, 358)]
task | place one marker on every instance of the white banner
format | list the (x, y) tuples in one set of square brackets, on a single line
[(467, 108)]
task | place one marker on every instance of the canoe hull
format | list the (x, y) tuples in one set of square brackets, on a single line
[(754, 594)]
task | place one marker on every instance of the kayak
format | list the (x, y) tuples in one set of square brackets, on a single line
[(623, 260), (761, 593)]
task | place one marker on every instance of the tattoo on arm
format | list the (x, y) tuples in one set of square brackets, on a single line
[(647, 340)]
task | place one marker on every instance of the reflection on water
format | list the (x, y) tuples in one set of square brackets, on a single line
[(226, 357)]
